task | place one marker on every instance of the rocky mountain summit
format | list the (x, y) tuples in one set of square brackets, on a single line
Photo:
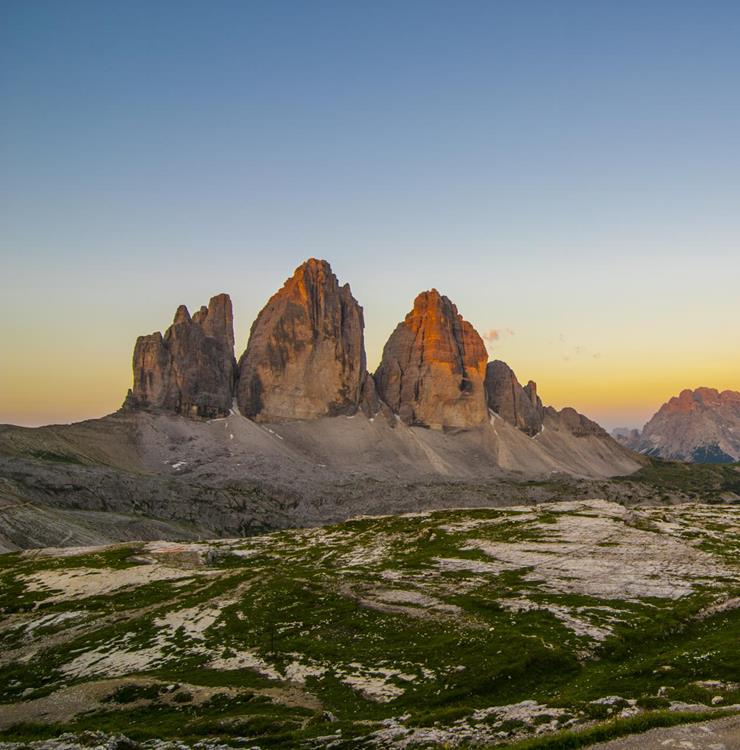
[(306, 355), (191, 369), (702, 426), (521, 407), (433, 367), (576, 423)]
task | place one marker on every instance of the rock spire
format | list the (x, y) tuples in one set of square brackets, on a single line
[(433, 367), (305, 357)]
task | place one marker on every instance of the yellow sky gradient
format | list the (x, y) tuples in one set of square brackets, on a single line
[(566, 173), (61, 374)]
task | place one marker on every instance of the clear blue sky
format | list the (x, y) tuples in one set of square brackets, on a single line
[(566, 170)]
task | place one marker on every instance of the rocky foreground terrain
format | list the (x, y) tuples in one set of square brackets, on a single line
[(450, 628), (700, 426)]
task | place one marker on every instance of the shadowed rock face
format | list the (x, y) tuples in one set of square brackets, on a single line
[(519, 406), (306, 355), (191, 369), (522, 407), (577, 424), (433, 367)]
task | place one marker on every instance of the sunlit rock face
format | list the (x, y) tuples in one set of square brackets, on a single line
[(433, 367), (519, 406), (191, 369), (702, 425), (306, 356)]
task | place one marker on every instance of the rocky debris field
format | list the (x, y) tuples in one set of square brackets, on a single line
[(141, 475), (447, 628)]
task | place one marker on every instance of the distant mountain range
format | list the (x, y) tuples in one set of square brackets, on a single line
[(701, 426)]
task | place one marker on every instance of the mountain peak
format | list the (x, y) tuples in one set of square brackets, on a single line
[(433, 367), (181, 315), (305, 357), (697, 425), (191, 369), (519, 406)]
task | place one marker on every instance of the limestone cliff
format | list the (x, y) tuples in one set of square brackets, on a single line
[(191, 369), (519, 406), (305, 357), (433, 367), (702, 425)]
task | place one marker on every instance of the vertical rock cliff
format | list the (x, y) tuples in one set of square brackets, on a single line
[(306, 356), (191, 369), (519, 406), (433, 367)]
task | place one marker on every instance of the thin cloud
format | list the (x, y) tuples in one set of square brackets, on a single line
[(575, 351), (496, 334)]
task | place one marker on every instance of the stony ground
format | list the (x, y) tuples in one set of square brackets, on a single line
[(716, 734), (134, 476), (447, 628)]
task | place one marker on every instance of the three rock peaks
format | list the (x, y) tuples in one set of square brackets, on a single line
[(305, 359)]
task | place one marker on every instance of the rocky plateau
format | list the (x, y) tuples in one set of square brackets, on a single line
[(447, 629)]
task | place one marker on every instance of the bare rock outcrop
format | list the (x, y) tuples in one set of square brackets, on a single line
[(522, 407), (306, 357), (519, 406), (191, 369), (433, 367), (569, 420)]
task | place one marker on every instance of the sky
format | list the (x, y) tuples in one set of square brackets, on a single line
[(567, 173)]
